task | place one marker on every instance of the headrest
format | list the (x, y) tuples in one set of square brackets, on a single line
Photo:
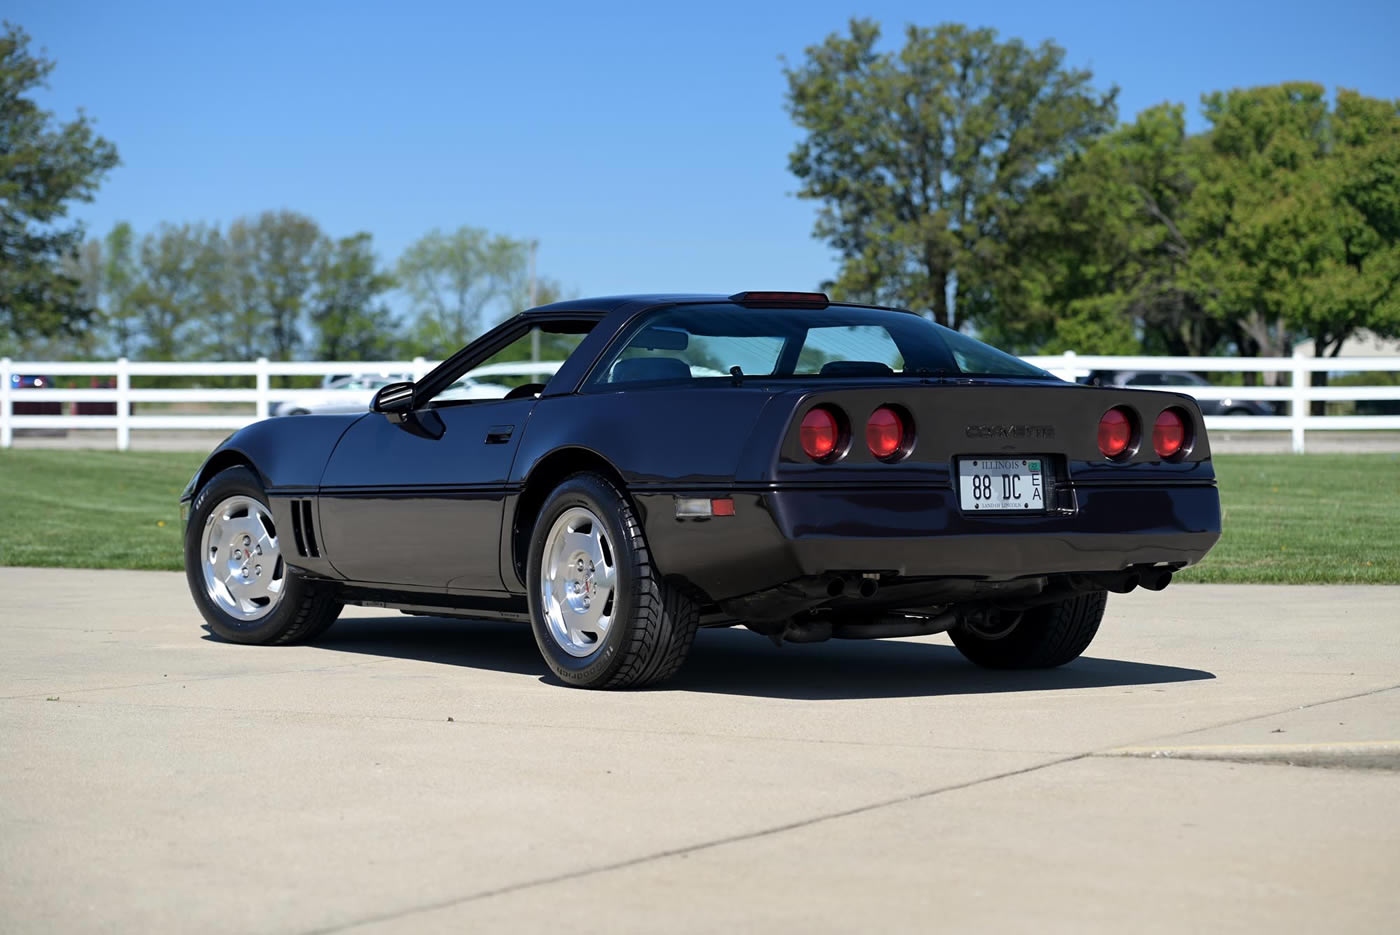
[(639, 369), (856, 368)]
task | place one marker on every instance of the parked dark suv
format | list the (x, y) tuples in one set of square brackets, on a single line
[(23, 404), (1182, 383)]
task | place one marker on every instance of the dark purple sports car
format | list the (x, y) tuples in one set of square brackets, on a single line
[(804, 468)]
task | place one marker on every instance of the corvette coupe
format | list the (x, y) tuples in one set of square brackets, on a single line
[(804, 468)]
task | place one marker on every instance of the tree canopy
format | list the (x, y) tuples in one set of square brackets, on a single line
[(983, 182), (45, 166), (923, 159), (454, 279)]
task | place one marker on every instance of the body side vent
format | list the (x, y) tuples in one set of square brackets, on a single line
[(308, 529)]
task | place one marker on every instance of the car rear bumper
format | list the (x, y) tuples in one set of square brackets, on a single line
[(780, 535)]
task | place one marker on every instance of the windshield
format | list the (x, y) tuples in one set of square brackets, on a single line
[(691, 342)]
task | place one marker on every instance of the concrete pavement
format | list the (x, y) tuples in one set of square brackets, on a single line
[(411, 774)]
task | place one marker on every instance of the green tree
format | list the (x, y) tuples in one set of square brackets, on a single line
[(44, 167), (1104, 251), (171, 290), (120, 275), (1304, 211), (275, 257), (924, 158), (348, 316), (453, 280), (1300, 208)]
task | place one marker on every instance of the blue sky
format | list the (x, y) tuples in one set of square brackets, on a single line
[(645, 145)]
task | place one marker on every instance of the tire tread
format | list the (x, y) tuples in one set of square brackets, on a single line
[(316, 608), (665, 614), (1051, 636)]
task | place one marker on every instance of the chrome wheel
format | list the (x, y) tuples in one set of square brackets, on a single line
[(243, 571), (578, 575)]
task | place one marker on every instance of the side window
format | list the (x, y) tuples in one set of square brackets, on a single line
[(1179, 379), (511, 367), (855, 344), (1143, 379)]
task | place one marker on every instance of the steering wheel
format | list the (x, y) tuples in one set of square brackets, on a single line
[(527, 389)]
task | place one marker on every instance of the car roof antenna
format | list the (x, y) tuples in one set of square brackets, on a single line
[(736, 375)]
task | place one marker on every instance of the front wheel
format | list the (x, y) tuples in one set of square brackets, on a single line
[(1040, 638), (236, 572), (601, 614)]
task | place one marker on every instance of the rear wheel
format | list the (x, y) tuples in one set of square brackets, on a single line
[(1040, 638), (602, 616), (236, 572)]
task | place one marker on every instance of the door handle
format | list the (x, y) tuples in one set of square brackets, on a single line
[(499, 434)]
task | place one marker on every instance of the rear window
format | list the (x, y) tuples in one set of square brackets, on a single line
[(697, 342)]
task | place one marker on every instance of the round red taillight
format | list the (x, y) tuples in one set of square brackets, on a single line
[(820, 434), (884, 433), (1169, 433), (1115, 433)]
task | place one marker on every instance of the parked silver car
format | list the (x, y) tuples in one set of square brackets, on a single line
[(353, 393), (1182, 383)]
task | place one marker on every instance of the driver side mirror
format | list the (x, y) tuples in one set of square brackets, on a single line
[(394, 401)]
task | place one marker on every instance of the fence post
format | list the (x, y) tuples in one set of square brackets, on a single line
[(1070, 365), (262, 387), (1302, 384), (7, 437), (123, 404), (420, 368)]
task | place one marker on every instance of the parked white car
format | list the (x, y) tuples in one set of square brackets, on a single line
[(353, 394)]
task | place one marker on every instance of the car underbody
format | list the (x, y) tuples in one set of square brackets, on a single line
[(815, 608)]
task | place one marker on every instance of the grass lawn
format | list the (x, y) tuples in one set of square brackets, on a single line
[(1294, 519), (93, 509), (1288, 518)]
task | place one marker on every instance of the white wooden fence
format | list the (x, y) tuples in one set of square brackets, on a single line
[(262, 397)]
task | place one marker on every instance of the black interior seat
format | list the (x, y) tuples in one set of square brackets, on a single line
[(856, 368), (640, 369)]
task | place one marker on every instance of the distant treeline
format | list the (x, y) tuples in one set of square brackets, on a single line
[(277, 286)]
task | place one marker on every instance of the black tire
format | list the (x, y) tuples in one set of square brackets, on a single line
[(1044, 637), (654, 621), (306, 609)]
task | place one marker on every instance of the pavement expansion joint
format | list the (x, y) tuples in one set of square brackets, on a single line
[(693, 848)]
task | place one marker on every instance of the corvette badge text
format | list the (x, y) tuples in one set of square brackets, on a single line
[(1010, 431)]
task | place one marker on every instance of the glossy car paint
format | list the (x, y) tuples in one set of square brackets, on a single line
[(398, 508), (441, 522)]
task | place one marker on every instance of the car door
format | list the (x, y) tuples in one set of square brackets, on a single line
[(403, 508), (418, 501)]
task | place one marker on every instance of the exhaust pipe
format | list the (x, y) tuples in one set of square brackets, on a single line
[(894, 625), (1119, 582), (1155, 579), (803, 631), (868, 586)]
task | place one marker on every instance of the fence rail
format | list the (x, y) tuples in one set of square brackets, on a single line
[(1298, 392)]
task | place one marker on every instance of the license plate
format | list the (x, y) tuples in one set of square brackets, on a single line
[(1001, 484)]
